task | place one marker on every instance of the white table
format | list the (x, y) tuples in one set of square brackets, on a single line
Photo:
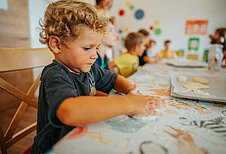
[(187, 126)]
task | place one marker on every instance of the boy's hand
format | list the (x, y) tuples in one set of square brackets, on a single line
[(146, 105), (134, 91)]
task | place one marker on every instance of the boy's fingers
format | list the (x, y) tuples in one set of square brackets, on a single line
[(153, 113), (155, 105), (159, 101), (152, 97)]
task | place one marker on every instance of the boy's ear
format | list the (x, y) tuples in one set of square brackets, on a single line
[(54, 44), (135, 47)]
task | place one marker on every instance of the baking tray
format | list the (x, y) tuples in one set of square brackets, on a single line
[(186, 63), (217, 87)]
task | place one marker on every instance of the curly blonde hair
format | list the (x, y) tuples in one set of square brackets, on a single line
[(66, 18), (133, 39)]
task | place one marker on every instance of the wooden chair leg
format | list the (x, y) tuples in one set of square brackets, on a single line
[(2, 142)]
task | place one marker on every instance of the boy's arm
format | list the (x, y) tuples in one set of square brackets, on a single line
[(85, 110), (123, 85), (112, 67)]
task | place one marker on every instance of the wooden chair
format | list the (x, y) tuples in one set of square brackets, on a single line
[(13, 59), (192, 56)]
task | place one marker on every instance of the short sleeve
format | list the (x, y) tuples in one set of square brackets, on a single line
[(104, 79), (58, 87)]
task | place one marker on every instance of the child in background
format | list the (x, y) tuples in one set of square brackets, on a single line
[(167, 53), (103, 7), (148, 44), (105, 49), (146, 36), (218, 37), (128, 62), (73, 31)]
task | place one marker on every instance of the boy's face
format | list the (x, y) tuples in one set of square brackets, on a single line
[(141, 48), (80, 54), (146, 41), (111, 37), (152, 44), (106, 4), (167, 46)]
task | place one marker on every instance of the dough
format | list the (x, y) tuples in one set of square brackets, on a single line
[(200, 80), (200, 92), (195, 85), (182, 78)]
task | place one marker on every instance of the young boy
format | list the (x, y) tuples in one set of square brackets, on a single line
[(148, 44), (128, 63), (105, 53), (73, 31), (167, 53), (144, 56)]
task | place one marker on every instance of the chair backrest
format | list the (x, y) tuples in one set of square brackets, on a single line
[(192, 56), (14, 59)]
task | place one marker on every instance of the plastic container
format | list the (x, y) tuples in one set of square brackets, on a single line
[(215, 57)]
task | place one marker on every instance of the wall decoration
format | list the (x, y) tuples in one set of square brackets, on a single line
[(128, 3), (131, 7), (126, 29), (198, 27), (157, 31), (193, 44), (120, 31), (156, 22), (123, 38), (139, 14), (205, 55), (121, 12), (151, 27)]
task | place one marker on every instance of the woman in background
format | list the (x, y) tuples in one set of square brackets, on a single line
[(103, 7)]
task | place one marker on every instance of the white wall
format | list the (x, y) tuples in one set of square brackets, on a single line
[(36, 12), (172, 16)]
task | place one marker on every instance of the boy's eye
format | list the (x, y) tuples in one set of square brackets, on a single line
[(86, 48)]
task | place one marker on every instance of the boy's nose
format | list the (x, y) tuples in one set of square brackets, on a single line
[(94, 54)]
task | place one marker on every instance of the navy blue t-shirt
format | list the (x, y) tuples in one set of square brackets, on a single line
[(58, 84), (141, 58)]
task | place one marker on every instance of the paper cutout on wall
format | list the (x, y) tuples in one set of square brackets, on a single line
[(151, 27), (193, 44), (121, 12), (139, 14), (120, 31), (198, 27), (158, 31), (156, 22), (205, 55), (128, 3), (131, 7), (123, 39), (126, 29)]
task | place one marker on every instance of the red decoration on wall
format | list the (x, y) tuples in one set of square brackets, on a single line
[(196, 27), (121, 12), (151, 27)]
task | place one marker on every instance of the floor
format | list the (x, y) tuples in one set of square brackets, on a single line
[(28, 118)]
